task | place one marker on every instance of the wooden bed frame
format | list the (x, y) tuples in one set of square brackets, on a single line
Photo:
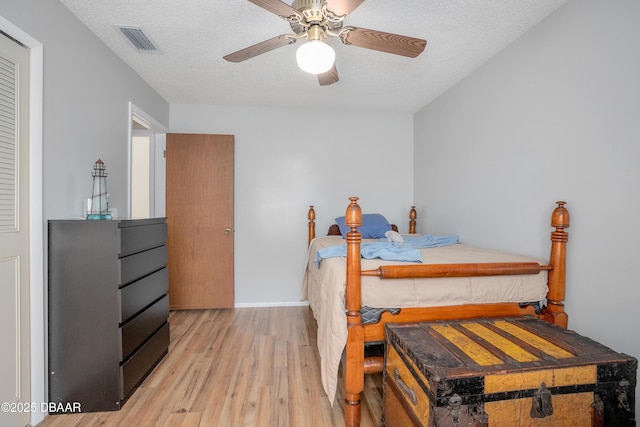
[(356, 365)]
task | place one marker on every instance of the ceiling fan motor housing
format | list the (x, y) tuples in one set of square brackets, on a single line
[(314, 13), (310, 9)]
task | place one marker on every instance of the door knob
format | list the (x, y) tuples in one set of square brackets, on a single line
[(227, 231)]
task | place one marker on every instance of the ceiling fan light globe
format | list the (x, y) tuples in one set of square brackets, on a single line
[(315, 57)]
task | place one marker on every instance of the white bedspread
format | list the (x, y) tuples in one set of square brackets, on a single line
[(324, 288)]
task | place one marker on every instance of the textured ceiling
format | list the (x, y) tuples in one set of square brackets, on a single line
[(194, 35)]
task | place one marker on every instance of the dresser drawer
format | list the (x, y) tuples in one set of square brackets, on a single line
[(138, 265), (138, 329), (138, 238), (139, 294), (134, 369)]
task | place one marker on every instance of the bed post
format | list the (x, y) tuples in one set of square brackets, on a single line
[(558, 260), (354, 358), (312, 224), (412, 220)]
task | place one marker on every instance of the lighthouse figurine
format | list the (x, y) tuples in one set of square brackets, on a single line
[(99, 207)]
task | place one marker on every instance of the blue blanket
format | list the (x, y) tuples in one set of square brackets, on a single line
[(390, 251)]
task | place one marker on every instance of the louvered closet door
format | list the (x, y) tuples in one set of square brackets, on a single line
[(15, 389)]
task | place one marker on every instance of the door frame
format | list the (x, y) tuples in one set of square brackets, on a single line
[(37, 298), (159, 130)]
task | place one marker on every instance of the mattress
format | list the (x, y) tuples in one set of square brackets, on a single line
[(324, 288)]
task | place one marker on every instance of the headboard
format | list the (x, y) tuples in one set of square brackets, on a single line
[(334, 230)]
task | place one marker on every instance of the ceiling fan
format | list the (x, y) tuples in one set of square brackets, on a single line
[(316, 20)]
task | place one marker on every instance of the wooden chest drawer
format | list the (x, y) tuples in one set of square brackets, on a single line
[(136, 237), (504, 372), (140, 363), (139, 294), (138, 265), (142, 326)]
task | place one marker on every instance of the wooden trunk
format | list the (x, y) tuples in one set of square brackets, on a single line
[(504, 372)]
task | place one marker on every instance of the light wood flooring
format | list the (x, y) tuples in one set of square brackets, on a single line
[(235, 367)]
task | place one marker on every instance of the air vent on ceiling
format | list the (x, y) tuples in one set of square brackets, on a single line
[(139, 39)]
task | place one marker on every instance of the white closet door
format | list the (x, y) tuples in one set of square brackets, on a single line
[(15, 388)]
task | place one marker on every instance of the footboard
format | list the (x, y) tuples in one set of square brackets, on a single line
[(355, 364)]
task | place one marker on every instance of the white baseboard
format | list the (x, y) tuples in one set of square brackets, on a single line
[(271, 304)]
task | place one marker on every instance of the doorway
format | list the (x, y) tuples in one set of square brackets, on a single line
[(142, 173), (146, 166)]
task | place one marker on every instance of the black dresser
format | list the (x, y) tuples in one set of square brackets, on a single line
[(108, 309)]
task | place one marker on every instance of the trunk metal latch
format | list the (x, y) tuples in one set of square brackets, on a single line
[(541, 404)]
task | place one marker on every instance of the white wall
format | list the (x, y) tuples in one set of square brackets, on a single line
[(288, 159), (86, 91), (86, 110), (554, 116)]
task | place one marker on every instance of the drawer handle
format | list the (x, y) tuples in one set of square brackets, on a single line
[(404, 387)]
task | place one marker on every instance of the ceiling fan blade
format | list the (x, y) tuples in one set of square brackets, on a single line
[(343, 7), (383, 42), (329, 77), (260, 48), (276, 6)]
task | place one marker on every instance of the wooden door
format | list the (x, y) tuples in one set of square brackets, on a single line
[(200, 219), (15, 363)]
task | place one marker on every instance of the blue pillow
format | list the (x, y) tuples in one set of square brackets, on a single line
[(373, 226)]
